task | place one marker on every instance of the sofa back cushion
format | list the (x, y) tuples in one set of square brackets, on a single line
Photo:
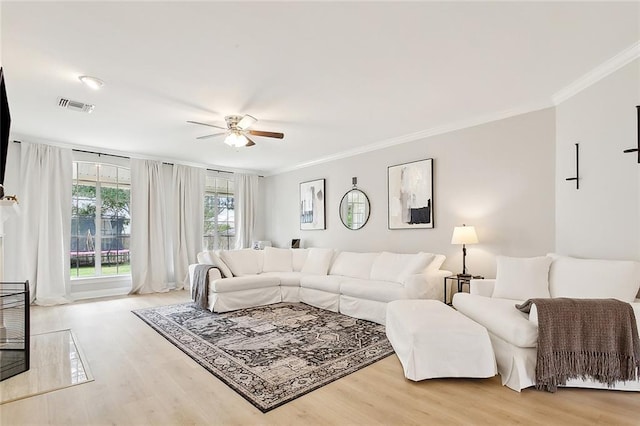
[(355, 265), (203, 256), (594, 278), (298, 258), (277, 260), (522, 278), (398, 267), (318, 261), (436, 263), (243, 262), (211, 258)]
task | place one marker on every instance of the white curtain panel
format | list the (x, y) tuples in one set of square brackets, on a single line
[(150, 257), (246, 204), (44, 243), (188, 218)]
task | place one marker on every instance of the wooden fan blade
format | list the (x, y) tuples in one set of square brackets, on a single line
[(205, 124), (266, 134), (210, 136), (250, 143)]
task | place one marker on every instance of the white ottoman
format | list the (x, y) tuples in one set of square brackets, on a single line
[(433, 340)]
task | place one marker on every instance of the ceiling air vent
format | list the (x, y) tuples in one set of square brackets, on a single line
[(75, 105)]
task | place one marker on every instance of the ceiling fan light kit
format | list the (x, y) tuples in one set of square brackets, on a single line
[(236, 140), (237, 130)]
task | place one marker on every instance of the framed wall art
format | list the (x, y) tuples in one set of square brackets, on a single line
[(410, 189), (312, 205)]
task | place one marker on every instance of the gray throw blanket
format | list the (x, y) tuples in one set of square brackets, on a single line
[(200, 290), (585, 338)]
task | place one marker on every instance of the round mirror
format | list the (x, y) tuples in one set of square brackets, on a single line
[(354, 209)]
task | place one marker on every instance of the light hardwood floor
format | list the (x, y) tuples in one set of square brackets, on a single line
[(140, 378)]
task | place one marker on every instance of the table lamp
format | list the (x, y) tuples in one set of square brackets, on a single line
[(464, 235)]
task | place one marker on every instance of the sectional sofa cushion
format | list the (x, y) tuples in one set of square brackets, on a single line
[(521, 278), (594, 278), (500, 317), (242, 283), (397, 267), (243, 262), (380, 291), (354, 265), (298, 258), (318, 261), (277, 260), (211, 258), (287, 279), (328, 283)]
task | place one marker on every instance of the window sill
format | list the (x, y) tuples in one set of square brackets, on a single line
[(103, 286), (100, 279)]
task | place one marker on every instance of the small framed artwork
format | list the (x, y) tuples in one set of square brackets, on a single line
[(410, 187), (312, 206)]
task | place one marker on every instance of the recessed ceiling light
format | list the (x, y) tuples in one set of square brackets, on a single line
[(92, 82)]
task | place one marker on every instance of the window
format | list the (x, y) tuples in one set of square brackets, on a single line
[(100, 221), (219, 229)]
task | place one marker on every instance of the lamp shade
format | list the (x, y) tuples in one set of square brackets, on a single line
[(464, 235)]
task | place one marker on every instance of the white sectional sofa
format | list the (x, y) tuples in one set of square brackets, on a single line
[(514, 334), (355, 284)]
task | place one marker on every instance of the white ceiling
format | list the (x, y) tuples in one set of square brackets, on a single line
[(334, 77)]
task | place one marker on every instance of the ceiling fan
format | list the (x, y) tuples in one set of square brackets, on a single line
[(238, 130)]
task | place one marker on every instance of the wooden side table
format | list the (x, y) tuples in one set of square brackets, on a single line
[(461, 280)]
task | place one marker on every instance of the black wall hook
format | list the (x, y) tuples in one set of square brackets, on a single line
[(577, 177), (637, 149)]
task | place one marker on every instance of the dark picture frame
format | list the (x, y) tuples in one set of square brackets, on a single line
[(5, 125), (410, 195), (312, 208)]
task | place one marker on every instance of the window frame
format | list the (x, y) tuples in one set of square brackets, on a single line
[(214, 241), (99, 221)]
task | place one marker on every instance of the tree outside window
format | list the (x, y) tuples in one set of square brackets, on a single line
[(100, 224), (219, 229)]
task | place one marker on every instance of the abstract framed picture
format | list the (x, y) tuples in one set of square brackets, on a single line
[(410, 187), (312, 206)]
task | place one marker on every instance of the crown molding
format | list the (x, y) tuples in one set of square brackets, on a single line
[(603, 70), (423, 134), (598, 73)]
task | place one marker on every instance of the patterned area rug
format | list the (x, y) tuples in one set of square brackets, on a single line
[(271, 354)]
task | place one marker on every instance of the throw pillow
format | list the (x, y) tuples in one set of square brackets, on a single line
[(594, 278), (318, 261), (355, 265), (299, 257), (277, 260), (243, 262), (436, 263), (211, 258), (522, 278)]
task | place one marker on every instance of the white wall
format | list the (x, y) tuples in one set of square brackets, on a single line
[(259, 230), (601, 218), (498, 177)]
